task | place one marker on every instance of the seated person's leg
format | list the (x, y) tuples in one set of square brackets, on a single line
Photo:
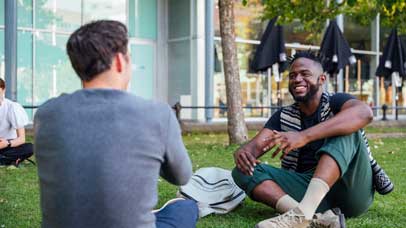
[(353, 191), (21, 152), (182, 213), (278, 188)]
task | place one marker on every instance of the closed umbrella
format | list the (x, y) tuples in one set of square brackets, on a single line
[(335, 51), (271, 53), (392, 63)]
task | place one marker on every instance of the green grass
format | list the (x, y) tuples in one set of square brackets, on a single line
[(19, 195)]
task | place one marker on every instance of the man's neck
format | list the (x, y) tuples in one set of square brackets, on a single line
[(103, 81), (311, 105)]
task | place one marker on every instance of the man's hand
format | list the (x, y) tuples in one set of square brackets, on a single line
[(245, 160), (285, 141), (3, 143)]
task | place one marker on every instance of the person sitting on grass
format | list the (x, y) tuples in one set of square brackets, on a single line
[(101, 150), (325, 159), (13, 118)]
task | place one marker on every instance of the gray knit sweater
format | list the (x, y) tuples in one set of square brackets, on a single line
[(100, 153)]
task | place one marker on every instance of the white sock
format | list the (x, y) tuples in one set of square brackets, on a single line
[(315, 193), (285, 203)]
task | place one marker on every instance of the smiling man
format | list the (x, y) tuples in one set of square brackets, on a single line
[(325, 162)]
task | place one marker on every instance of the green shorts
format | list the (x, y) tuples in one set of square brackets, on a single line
[(353, 193)]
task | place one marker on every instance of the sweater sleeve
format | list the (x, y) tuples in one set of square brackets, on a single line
[(177, 167)]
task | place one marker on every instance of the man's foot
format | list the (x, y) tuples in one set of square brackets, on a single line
[(329, 219), (294, 218)]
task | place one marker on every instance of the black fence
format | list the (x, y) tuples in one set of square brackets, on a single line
[(386, 110)]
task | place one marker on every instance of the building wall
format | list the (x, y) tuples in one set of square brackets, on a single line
[(43, 67)]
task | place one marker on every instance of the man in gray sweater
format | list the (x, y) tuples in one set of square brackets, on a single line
[(100, 150)]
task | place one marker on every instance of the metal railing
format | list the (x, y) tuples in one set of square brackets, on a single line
[(384, 108)]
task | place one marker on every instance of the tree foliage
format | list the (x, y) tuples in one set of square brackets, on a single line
[(314, 14)]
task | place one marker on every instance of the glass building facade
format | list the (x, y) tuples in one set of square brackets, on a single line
[(367, 43), (168, 53), (43, 27)]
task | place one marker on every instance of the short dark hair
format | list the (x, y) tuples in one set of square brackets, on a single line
[(309, 54), (91, 48), (2, 84)]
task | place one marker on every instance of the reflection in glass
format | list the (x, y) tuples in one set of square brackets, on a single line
[(143, 65), (179, 18), (358, 36), (53, 72), (141, 11), (24, 70), (104, 9), (24, 14), (2, 53), (58, 14), (2, 12)]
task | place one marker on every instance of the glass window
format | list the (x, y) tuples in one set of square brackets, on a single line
[(384, 33), (143, 18), (24, 13), (358, 36), (248, 21), (2, 53), (294, 33), (104, 9), (179, 18), (179, 68), (24, 70), (58, 14), (53, 72), (257, 88), (143, 65), (2, 12)]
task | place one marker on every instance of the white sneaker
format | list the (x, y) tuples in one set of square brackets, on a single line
[(294, 218), (329, 219)]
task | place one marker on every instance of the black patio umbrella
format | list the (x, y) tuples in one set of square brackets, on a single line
[(393, 61), (271, 51), (335, 50), (393, 58)]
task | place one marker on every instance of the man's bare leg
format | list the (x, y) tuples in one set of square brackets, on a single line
[(269, 193)]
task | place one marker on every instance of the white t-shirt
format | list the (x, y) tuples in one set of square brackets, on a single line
[(12, 117)]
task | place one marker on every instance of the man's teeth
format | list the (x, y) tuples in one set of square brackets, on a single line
[(299, 87)]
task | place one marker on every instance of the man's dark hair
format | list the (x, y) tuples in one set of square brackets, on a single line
[(91, 48), (2, 84), (308, 55)]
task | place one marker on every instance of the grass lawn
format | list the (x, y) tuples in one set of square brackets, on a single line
[(19, 195)]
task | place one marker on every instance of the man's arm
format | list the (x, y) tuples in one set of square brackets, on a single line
[(245, 157), (20, 138), (352, 116), (177, 167)]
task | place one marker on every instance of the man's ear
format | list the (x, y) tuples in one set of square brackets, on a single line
[(323, 77), (118, 62)]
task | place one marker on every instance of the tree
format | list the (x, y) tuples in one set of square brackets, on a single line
[(237, 129)]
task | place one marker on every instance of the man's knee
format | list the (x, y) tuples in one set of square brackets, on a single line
[(246, 182), (239, 178)]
